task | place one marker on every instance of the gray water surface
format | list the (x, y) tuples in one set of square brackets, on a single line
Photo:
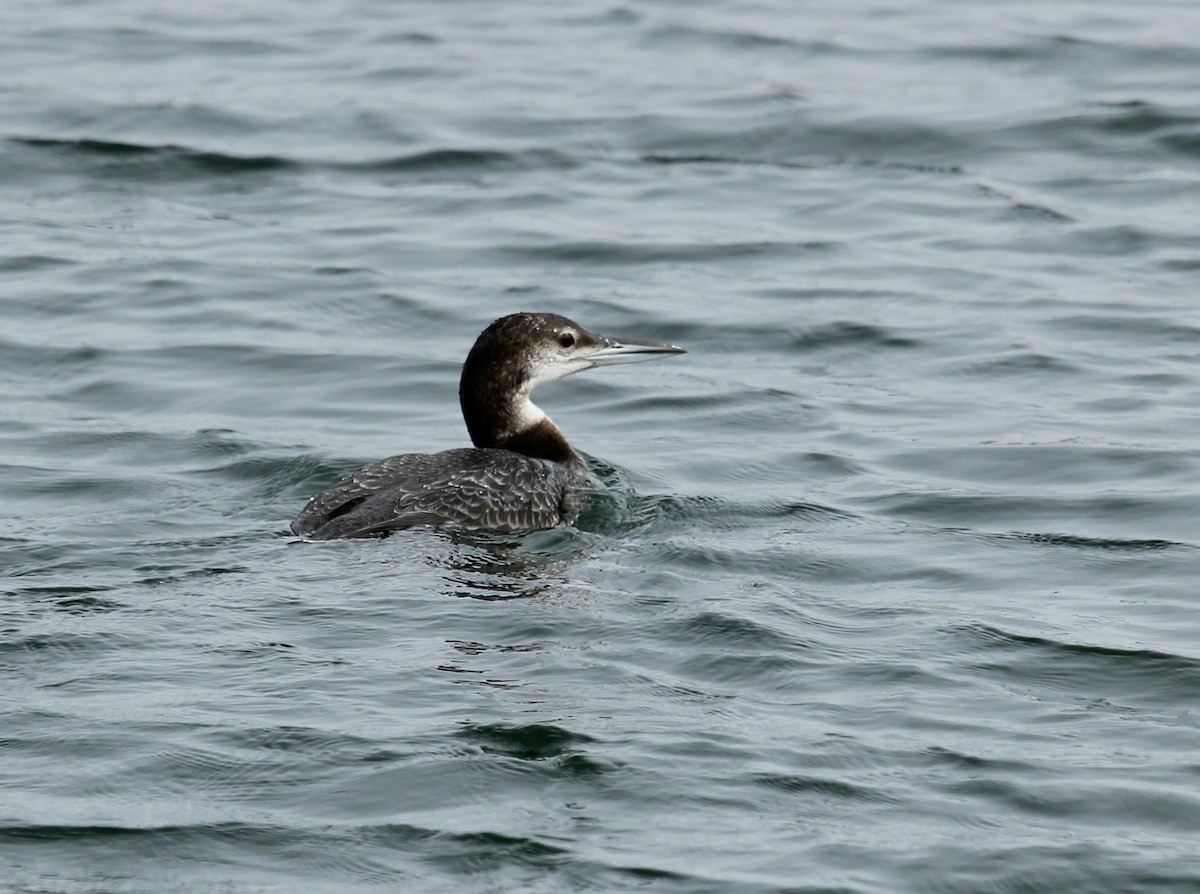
[(890, 586)]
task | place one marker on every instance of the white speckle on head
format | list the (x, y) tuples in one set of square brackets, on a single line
[(553, 363)]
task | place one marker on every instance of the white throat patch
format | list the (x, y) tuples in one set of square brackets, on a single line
[(529, 414)]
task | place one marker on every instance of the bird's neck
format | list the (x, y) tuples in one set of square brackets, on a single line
[(511, 421)]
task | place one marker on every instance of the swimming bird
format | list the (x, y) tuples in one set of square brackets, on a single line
[(521, 473)]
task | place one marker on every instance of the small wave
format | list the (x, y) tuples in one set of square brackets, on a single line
[(75, 600), (68, 643), (476, 160), (1103, 543), (1039, 212), (668, 158), (1138, 117), (1152, 328), (750, 41), (167, 161), (1134, 125), (822, 787), (604, 252), (1079, 670), (32, 263), (128, 159), (783, 141), (529, 742), (843, 333), (725, 632)]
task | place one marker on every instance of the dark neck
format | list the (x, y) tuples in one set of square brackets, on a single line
[(494, 390), (493, 417), (543, 440)]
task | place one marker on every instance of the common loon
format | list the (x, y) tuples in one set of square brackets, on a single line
[(521, 472)]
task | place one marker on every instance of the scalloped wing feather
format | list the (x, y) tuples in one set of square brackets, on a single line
[(486, 488)]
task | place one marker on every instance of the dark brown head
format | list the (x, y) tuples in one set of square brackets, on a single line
[(516, 354)]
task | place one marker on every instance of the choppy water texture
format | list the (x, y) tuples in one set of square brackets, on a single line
[(892, 583)]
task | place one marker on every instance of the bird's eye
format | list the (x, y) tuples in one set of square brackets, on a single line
[(566, 339)]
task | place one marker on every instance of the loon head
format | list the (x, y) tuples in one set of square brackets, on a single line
[(517, 353)]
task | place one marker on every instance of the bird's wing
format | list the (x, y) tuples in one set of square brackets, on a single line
[(494, 489)]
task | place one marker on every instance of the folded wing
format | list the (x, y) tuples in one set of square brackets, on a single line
[(486, 488)]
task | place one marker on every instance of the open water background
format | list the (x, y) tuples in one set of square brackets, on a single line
[(893, 583)]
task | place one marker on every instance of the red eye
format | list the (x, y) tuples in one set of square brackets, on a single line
[(566, 339)]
